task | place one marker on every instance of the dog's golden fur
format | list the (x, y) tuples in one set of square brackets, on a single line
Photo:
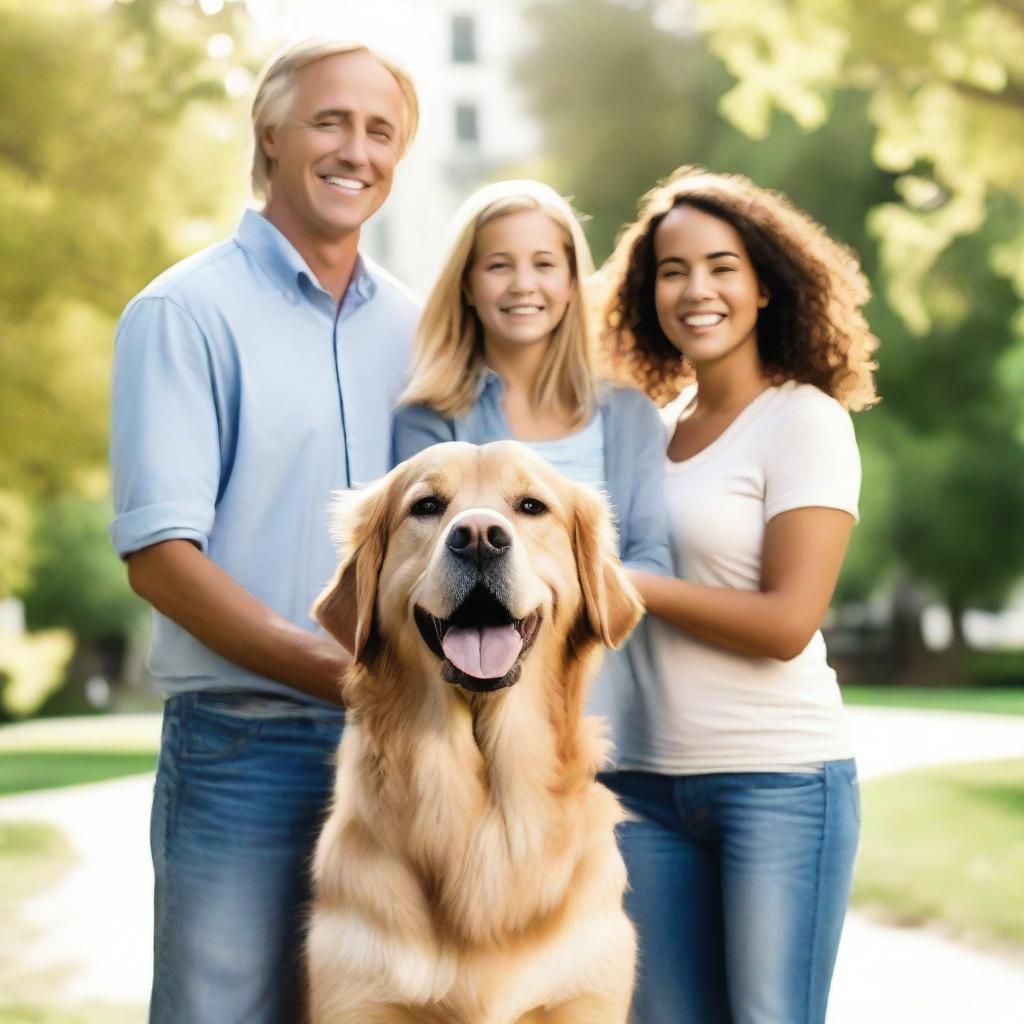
[(468, 872)]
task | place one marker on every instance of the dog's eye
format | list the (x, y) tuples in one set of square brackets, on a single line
[(532, 507), (431, 506)]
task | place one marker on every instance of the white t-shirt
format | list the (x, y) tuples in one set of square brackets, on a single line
[(709, 709)]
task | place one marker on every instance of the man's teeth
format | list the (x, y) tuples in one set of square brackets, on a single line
[(703, 319), (522, 310), (350, 183)]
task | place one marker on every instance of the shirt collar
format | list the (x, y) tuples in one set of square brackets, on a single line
[(282, 261), (488, 379)]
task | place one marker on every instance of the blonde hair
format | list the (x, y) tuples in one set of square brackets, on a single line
[(448, 358), (274, 92)]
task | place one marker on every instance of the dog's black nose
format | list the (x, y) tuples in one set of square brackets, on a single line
[(478, 538)]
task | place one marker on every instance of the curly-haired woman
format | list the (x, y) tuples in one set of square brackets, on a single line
[(737, 762)]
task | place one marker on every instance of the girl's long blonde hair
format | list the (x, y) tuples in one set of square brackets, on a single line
[(448, 359)]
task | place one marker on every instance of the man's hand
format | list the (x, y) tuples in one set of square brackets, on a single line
[(177, 579)]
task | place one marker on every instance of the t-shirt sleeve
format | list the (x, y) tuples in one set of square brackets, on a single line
[(814, 462), (164, 439)]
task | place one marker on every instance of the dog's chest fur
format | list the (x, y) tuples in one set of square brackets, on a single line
[(480, 840), (485, 806)]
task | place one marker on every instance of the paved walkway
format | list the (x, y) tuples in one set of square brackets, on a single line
[(96, 923), (92, 931)]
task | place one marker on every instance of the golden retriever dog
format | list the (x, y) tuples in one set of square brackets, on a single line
[(468, 872)]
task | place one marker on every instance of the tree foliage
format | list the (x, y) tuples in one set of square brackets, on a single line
[(101, 123), (945, 80), (77, 581)]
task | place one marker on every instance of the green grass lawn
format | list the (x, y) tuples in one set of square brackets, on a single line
[(25, 772), (993, 700), (46, 753), (946, 845)]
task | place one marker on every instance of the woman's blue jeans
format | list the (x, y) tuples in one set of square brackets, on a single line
[(738, 888), (243, 784)]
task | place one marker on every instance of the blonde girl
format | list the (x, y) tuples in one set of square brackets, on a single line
[(505, 349)]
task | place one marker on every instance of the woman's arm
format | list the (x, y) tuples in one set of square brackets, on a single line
[(803, 553)]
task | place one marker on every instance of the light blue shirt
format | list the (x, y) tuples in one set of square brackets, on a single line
[(242, 397), (578, 456)]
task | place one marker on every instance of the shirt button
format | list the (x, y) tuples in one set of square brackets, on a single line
[(290, 296)]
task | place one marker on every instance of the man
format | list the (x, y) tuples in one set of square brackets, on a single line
[(250, 381)]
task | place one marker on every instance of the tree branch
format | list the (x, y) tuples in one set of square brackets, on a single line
[(1011, 96), (1010, 7)]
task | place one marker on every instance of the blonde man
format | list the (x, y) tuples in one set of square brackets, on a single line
[(250, 381)]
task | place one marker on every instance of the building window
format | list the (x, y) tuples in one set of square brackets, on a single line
[(463, 39), (467, 124)]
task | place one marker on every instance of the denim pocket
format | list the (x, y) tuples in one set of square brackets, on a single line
[(212, 731), (842, 777)]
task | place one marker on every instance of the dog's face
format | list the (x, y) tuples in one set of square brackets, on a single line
[(463, 556)]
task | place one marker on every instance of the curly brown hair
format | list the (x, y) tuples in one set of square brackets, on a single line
[(812, 329)]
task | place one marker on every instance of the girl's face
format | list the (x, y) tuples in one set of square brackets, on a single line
[(520, 280), (705, 289)]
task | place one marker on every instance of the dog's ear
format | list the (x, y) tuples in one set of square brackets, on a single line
[(611, 603), (359, 521)]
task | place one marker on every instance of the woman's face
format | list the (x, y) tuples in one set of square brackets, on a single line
[(705, 289), (520, 280)]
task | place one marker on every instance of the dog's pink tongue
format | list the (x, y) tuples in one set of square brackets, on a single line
[(486, 653)]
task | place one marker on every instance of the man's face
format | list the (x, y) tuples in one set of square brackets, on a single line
[(335, 154)]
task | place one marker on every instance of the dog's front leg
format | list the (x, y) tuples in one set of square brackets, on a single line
[(589, 1009)]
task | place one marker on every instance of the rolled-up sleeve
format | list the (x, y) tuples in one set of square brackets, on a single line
[(646, 534), (164, 439), (417, 427)]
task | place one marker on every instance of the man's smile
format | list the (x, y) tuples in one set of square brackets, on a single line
[(348, 184)]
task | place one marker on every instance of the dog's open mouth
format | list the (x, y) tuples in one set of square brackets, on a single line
[(481, 645)]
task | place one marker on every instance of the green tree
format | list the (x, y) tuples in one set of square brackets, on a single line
[(959, 489), (78, 584), (945, 80), (104, 114)]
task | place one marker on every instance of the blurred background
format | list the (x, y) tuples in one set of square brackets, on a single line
[(125, 146)]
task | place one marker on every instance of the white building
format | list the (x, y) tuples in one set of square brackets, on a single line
[(472, 126)]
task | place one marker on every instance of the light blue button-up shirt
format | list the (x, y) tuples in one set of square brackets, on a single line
[(242, 397)]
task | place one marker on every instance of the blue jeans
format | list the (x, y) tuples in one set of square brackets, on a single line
[(738, 887), (242, 787)]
